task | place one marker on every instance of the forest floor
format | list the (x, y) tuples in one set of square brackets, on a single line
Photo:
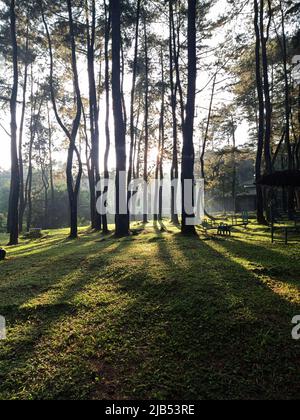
[(154, 316)]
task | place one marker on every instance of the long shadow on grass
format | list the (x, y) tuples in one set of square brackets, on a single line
[(203, 327), (28, 275), (35, 324), (266, 261), (36, 246), (55, 265), (195, 324)]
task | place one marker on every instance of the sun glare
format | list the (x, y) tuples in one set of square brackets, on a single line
[(153, 153)]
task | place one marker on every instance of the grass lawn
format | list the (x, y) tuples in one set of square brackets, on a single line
[(155, 315)]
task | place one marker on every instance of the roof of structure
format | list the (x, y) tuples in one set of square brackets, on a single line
[(281, 179)]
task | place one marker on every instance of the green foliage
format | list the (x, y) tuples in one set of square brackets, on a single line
[(57, 214), (4, 196), (2, 222), (34, 234)]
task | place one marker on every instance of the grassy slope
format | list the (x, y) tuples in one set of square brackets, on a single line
[(152, 316)]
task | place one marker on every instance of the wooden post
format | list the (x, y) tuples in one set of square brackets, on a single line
[(286, 236), (272, 224)]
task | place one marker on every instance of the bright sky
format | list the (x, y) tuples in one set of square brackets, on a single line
[(4, 151), (202, 101)]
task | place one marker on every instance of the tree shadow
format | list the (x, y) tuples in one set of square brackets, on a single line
[(174, 318), (49, 266), (267, 260), (208, 319), (160, 227), (33, 321)]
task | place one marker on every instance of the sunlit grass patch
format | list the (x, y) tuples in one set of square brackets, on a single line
[(155, 315)]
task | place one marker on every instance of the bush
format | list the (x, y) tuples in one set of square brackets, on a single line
[(34, 234), (2, 222)]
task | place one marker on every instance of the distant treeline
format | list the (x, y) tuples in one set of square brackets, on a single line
[(45, 213)]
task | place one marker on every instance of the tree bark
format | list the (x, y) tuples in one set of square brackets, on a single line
[(188, 154), (122, 217), (94, 117), (107, 115), (28, 185), (176, 55), (174, 166), (52, 190), (234, 165), (133, 89), (122, 87), (202, 163), (15, 172), (135, 173), (266, 85), (286, 90), (22, 187), (291, 191), (146, 145), (160, 154), (73, 185), (260, 145)]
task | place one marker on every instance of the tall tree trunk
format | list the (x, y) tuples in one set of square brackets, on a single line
[(297, 152), (136, 138), (298, 138), (52, 191), (159, 159), (91, 160), (174, 166), (21, 166), (188, 154), (122, 87), (286, 90), (35, 114), (176, 55), (138, 162), (234, 166), (260, 145), (146, 145), (46, 185), (122, 217), (91, 178), (202, 163), (73, 185), (133, 89), (133, 128), (291, 191), (162, 145), (107, 115), (15, 172), (266, 84), (94, 116), (28, 185)]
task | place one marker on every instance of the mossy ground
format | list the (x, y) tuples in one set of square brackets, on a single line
[(155, 315)]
